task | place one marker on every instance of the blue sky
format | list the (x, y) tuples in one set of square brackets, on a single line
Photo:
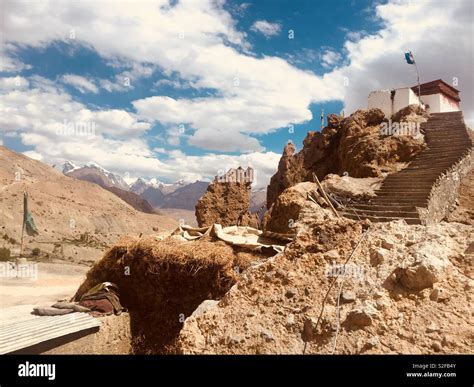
[(187, 89)]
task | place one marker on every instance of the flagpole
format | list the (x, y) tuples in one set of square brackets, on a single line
[(21, 243), (23, 227), (419, 87)]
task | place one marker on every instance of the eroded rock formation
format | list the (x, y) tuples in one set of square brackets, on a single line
[(226, 203), (351, 145)]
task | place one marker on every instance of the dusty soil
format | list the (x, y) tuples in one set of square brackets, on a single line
[(54, 281), (407, 289)]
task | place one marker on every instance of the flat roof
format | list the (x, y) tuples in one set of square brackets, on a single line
[(438, 86)]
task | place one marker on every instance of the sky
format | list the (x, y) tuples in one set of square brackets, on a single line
[(185, 89)]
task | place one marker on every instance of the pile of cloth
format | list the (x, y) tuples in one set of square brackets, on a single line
[(241, 236), (101, 300)]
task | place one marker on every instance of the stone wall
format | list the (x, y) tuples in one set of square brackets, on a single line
[(445, 191)]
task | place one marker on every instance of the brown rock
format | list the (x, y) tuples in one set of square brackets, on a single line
[(351, 145), (226, 203), (286, 210)]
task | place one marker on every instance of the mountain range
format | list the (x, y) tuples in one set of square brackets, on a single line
[(148, 195), (143, 195)]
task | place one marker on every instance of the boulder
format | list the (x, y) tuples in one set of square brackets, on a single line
[(430, 266), (226, 203), (286, 210)]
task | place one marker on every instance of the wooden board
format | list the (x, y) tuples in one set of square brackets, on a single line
[(26, 330)]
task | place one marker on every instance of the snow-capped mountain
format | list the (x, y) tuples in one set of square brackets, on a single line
[(95, 174), (68, 167), (141, 185)]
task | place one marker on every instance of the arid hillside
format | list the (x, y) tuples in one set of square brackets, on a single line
[(76, 219)]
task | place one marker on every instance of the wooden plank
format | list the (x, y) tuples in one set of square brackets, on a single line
[(316, 180), (31, 330)]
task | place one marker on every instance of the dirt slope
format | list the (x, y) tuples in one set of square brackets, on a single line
[(408, 289), (76, 219)]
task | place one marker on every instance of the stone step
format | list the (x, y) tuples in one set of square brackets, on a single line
[(402, 192), (377, 219), (412, 195), (436, 155), (459, 125), (413, 182), (433, 154), (409, 190), (438, 148), (408, 182), (400, 201), (436, 128), (440, 144), (456, 112), (446, 139), (386, 207), (444, 131), (449, 123), (431, 137), (387, 213), (431, 163)]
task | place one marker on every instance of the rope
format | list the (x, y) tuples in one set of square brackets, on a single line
[(330, 287), (366, 232)]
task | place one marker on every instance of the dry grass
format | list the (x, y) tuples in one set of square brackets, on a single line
[(162, 282)]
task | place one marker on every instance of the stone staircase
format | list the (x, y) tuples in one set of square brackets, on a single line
[(406, 194)]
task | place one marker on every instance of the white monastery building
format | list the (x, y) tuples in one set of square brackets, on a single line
[(437, 97)]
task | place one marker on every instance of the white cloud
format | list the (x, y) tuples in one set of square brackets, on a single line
[(126, 79), (38, 113), (197, 42), (440, 36), (8, 62), (33, 155), (81, 83), (330, 58), (44, 109), (174, 83), (13, 83), (266, 28)]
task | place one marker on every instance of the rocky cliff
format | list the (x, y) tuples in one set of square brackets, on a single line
[(347, 146)]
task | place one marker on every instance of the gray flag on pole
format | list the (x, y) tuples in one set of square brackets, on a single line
[(28, 222)]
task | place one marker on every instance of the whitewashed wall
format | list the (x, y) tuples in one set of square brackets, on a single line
[(438, 103), (382, 99)]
